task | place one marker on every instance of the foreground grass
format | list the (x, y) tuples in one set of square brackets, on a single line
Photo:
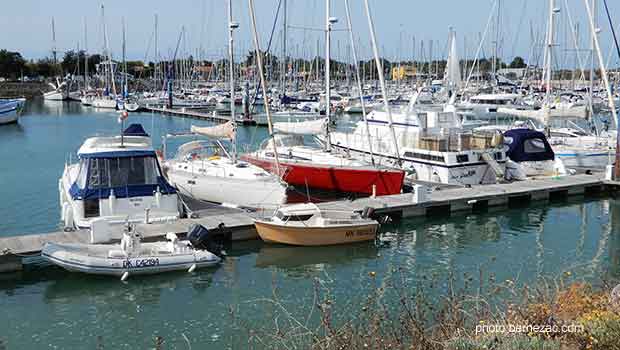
[(550, 315)]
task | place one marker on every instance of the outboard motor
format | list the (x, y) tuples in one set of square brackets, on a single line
[(210, 240), (368, 212)]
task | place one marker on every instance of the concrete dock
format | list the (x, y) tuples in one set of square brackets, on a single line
[(439, 202), (188, 113)]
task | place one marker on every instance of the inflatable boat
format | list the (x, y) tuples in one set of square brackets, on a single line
[(133, 257)]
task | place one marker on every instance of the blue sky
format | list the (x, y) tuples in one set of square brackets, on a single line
[(26, 26)]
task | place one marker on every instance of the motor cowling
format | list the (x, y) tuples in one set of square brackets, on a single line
[(210, 240)]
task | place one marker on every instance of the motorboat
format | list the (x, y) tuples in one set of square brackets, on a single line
[(493, 106), (10, 110), (308, 225), (131, 256), (530, 155), (117, 178), (207, 170), (287, 116), (432, 146), (104, 102)]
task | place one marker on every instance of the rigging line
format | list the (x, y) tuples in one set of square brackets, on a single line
[(518, 32), (273, 29), (575, 39), (613, 31), (480, 47)]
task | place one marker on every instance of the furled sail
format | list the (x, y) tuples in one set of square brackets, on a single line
[(226, 130), (311, 127), (453, 69)]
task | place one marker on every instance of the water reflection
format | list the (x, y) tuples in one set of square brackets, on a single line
[(311, 259)]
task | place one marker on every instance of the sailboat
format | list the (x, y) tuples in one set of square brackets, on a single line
[(108, 99), (314, 164), (209, 171), (58, 92)]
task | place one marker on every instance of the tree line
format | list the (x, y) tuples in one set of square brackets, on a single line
[(13, 65)]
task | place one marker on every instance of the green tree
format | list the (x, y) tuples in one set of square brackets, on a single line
[(518, 62), (12, 64)]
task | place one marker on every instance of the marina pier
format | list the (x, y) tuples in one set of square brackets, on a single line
[(240, 224)]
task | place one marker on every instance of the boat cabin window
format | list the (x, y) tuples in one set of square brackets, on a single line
[(535, 145), (423, 156), (280, 215), (123, 171), (462, 158)]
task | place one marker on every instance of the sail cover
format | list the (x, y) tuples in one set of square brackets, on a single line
[(310, 127), (453, 69), (226, 130)]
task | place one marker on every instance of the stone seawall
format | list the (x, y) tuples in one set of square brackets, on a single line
[(25, 89)]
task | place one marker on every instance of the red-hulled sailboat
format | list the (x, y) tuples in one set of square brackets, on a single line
[(301, 164), (305, 165)]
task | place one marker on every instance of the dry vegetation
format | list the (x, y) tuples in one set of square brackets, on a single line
[(453, 320)]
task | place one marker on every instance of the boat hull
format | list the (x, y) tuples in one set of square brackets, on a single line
[(585, 159), (8, 116), (220, 189), (68, 257), (55, 96), (335, 178), (104, 103), (315, 236)]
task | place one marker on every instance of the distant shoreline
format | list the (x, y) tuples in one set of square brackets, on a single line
[(22, 89)]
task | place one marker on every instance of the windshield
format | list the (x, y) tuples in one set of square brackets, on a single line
[(120, 172)]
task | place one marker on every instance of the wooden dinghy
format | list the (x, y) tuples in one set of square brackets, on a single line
[(308, 225)]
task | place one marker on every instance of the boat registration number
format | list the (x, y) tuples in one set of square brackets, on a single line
[(136, 263), (359, 233)]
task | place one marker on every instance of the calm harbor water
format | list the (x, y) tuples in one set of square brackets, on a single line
[(45, 307)]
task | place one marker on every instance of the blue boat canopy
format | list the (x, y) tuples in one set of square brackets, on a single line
[(135, 130), (525, 145), (128, 174)]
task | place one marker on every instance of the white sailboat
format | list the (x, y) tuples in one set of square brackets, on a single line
[(208, 171), (59, 91), (107, 100)]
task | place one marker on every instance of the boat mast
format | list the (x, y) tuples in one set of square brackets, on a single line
[(357, 78), (85, 55), (125, 87), (54, 50), (156, 68), (549, 60), (259, 63), (496, 49), (592, 35), (231, 60), (107, 50), (612, 103), (328, 34), (382, 80), (284, 66)]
